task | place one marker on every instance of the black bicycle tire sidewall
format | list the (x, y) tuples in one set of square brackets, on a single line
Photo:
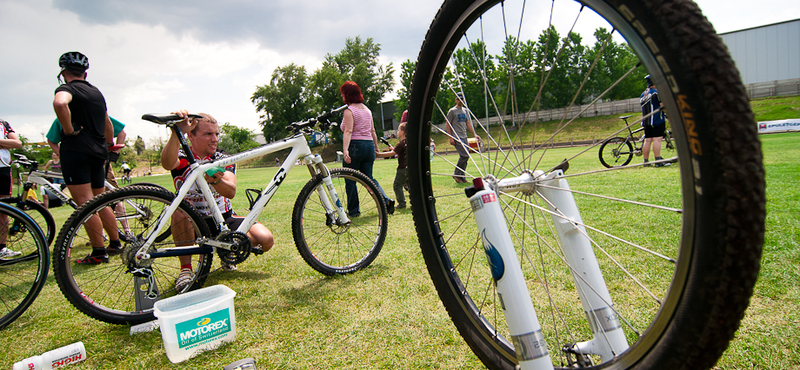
[(701, 302), (50, 223), (41, 274), (297, 223), (62, 270)]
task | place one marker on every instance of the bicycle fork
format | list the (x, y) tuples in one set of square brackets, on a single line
[(512, 291), (317, 167)]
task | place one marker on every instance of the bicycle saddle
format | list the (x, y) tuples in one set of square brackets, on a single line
[(167, 118)]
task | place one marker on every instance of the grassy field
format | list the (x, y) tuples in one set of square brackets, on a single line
[(389, 316)]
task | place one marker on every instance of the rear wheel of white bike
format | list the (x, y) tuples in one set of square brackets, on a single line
[(119, 291), (328, 245), (681, 271)]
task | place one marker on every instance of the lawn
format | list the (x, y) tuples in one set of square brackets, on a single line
[(388, 315)]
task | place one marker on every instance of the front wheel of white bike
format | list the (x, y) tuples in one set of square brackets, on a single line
[(329, 245)]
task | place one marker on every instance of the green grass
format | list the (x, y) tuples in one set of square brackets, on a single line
[(389, 316)]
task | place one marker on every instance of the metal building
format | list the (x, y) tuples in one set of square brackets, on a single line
[(766, 53)]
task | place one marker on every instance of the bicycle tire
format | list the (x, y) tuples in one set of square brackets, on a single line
[(23, 276), (612, 152), (38, 213), (716, 193), (339, 249), (104, 291)]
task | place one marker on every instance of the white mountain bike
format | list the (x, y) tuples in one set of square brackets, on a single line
[(333, 235), (542, 265)]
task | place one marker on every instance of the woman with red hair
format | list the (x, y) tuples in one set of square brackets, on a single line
[(360, 144)]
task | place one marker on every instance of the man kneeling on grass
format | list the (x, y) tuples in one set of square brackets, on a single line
[(203, 133)]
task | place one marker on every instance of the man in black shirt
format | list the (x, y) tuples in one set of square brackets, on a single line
[(87, 133)]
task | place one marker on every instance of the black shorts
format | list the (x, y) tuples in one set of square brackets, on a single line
[(655, 131), (6, 186), (232, 220), (82, 168)]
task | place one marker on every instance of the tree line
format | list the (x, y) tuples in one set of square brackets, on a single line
[(292, 94), (563, 62)]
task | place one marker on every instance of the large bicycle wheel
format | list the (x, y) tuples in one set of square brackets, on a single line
[(681, 272), (23, 274), (38, 213), (328, 245), (124, 290), (616, 151)]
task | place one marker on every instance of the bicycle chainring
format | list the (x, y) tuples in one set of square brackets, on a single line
[(240, 247)]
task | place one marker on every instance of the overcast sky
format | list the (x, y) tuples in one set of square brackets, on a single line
[(155, 56)]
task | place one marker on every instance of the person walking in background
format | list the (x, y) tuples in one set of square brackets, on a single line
[(458, 123), (360, 144), (8, 140), (86, 135), (654, 124)]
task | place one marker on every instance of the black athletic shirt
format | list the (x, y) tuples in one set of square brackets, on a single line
[(88, 109)]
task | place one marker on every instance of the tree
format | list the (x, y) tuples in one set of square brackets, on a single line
[(358, 62), (406, 75), (138, 145), (613, 62), (236, 139), (281, 102)]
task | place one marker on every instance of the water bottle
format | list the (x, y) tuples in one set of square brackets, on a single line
[(54, 359)]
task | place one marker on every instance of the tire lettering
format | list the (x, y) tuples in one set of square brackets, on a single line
[(689, 125)]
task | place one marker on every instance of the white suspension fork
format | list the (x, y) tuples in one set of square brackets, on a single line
[(609, 338), (512, 292)]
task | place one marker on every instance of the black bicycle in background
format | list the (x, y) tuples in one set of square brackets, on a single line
[(619, 151)]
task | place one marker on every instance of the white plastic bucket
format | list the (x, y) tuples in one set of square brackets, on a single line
[(196, 321)]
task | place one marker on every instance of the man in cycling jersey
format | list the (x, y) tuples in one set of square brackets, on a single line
[(87, 133), (653, 121), (203, 133)]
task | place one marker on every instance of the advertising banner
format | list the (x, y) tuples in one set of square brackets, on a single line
[(779, 126)]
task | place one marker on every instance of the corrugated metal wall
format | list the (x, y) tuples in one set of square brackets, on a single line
[(766, 53)]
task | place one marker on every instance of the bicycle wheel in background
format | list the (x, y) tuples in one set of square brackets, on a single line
[(616, 151), (114, 292), (23, 272), (38, 213), (333, 248), (681, 271)]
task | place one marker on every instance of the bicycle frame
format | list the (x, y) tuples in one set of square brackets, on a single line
[(39, 177), (300, 151)]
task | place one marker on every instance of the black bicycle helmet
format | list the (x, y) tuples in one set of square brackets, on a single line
[(649, 80), (73, 60)]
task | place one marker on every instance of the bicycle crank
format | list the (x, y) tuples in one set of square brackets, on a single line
[(239, 247)]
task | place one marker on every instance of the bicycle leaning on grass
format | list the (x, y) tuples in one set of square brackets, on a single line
[(333, 235), (619, 151), (542, 265), (23, 265)]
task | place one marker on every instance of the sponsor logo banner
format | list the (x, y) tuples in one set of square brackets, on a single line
[(776, 126)]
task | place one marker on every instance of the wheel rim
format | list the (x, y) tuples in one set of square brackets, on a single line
[(342, 248), (109, 289)]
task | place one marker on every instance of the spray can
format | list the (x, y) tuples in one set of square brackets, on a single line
[(54, 359)]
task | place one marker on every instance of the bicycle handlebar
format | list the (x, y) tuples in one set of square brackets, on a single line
[(324, 118)]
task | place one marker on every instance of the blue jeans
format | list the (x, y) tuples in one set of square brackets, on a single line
[(362, 157)]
